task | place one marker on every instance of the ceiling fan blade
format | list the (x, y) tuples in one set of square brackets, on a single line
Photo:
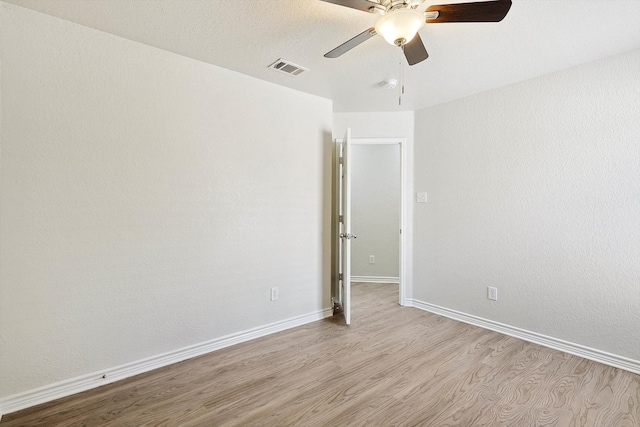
[(350, 44), (415, 51), (486, 11), (364, 5)]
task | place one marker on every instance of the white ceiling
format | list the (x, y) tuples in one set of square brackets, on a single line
[(536, 37)]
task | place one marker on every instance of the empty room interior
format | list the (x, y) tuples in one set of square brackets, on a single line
[(314, 213)]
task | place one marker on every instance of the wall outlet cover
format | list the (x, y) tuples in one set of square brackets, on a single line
[(492, 293)]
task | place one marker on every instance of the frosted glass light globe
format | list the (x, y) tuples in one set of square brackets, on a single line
[(400, 26)]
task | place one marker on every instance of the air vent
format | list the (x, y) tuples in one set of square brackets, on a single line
[(287, 67)]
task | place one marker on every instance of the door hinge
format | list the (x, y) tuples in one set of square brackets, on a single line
[(340, 276), (340, 218), (341, 160)]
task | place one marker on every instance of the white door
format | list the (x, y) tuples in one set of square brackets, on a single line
[(345, 227)]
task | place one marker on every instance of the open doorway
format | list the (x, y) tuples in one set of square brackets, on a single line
[(380, 212), (375, 213)]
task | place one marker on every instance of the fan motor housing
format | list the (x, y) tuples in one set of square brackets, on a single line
[(400, 4)]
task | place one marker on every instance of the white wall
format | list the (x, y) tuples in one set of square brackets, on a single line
[(375, 210), (146, 199), (375, 125), (535, 189)]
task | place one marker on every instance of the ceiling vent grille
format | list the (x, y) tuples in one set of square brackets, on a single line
[(287, 67)]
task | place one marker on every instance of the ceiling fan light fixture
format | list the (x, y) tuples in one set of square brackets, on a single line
[(400, 26)]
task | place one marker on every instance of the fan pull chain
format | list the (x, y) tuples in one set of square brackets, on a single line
[(400, 64), (401, 89), (402, 83)]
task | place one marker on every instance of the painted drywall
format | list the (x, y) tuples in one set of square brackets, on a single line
[(388, 125), (146, 201), (375, 210), (534, 188)]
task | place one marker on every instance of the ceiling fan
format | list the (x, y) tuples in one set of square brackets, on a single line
[(400, 21)]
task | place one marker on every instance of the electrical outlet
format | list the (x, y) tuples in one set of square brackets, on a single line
[(274, 294), (492, 293), (372, 259), (421, 197)]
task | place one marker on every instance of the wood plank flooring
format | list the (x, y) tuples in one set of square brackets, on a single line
[(393, 366)]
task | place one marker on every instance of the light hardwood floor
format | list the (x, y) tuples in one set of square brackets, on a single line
[(393, 366)]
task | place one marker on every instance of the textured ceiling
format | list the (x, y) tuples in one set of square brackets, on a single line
[(536, 37)]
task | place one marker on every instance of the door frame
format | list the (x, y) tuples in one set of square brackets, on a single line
[(402, 142)]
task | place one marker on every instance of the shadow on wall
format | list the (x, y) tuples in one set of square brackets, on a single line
[(329, 226)]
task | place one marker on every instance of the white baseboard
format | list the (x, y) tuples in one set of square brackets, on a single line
[(375, 279), (534, 337), (86, 382)]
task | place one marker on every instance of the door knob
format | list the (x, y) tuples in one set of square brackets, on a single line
[(348, 236)]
